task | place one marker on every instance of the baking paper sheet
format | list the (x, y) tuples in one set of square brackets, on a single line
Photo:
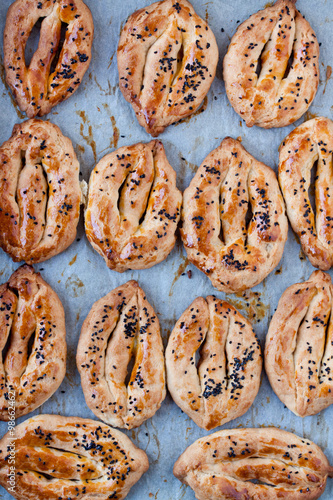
[(98, 119)]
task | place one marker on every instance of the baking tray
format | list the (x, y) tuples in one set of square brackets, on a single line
[(98, 119)]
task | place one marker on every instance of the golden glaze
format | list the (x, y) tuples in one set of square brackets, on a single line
[(167, 57), (121, 326), (39, 87), (234, 252)]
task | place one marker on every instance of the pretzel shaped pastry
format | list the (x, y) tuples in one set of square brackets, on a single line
[(299, 346), (260, 464), (234, 222), (227, 379), (167, 57), (70, 457), (120, 327), (133, 207), (40, 192), (55, 71), (308, 145), (271, 69), (31, 319)]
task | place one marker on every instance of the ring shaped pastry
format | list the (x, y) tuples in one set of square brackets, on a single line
[(309, 148), (260, 464), (70, 457), (133, 207), (40, 192), (271, 69), (122, 327), (226, 381), (167, 57), (32, 343), (56, 69), (234, 222), (299, 346)]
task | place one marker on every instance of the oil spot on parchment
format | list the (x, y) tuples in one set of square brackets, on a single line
[(3, 78), (328, 76), (251, 305), (179, 272), (110, 90), (309, 116), (89, 139), (115, 131), (73, 260), (74, 286)]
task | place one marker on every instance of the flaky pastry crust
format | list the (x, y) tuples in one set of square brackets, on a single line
[(70, 458), (133, 207), (122, 326), (226, 381), (234, 222), (40, 192), (271, 69), (54, 72), (167, 57), (309, 144)]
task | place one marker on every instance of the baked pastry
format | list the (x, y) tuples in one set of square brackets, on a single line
[(133, 207), (32, 343), (299, 346), (261, 464), (310, 147), (234, 222), (70, 458), (226, 379), (57, 67), (271, 69), (167, 57), (122, 327), (40, 192)]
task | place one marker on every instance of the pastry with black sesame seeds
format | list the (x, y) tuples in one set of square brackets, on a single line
[(70, 458), (271, 69), (167, 57), (234, 221), (58, 66), (121, 327)]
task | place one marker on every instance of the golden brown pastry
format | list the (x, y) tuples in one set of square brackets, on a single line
[(56, 69), (40, 192), (167, 57), (260, 464), (226, 380), (308, 147), (133, 207), (121, 327), (234, 222), (70, 458), (299, 346), (32, 343), (271, 69)]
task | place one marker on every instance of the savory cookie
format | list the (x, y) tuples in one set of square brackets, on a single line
[(167, 58), (271, 69), (299, 346), (70, 458), (260, 464), (40, 192), (133, 207), (306, 160), (122, 327), (234, 222), (226, 379), (32, 343), (56, 69)]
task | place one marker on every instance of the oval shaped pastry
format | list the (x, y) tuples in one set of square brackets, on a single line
[(167, 57), (122, 327), (70, 457), (310, 147), (271, 69), (258, 464), (133, 207), (32, 343), (56, 69), (40, 192), (299, 346), (234, 222), (226, 381)]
